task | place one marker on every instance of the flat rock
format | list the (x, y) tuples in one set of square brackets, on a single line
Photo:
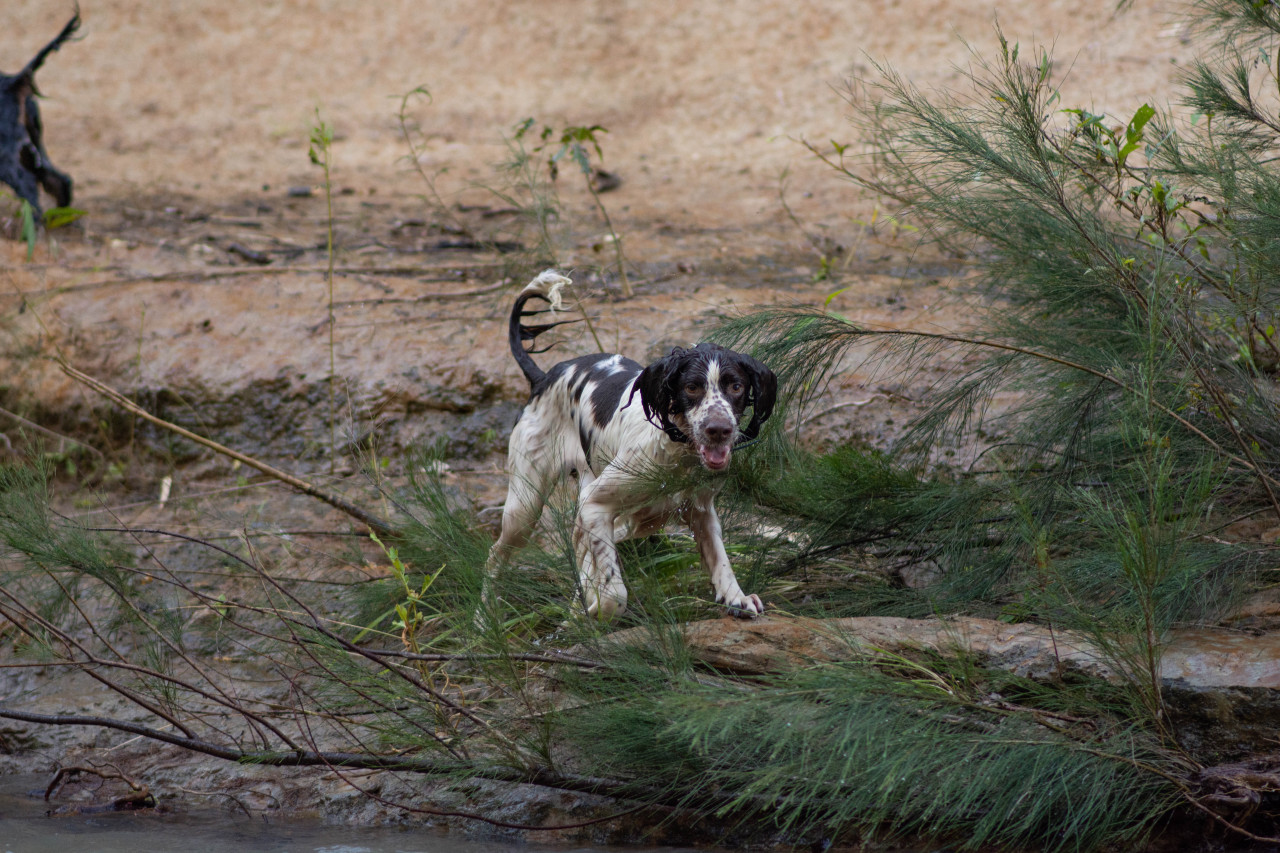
[(1221, 687)]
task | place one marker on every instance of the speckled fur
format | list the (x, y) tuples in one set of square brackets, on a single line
[(605, 421)]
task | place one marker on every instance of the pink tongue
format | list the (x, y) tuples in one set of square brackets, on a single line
[(715, 456)]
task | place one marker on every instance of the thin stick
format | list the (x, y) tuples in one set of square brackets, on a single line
[(48, 432), (240, 272), (426, 297), (382, 528)]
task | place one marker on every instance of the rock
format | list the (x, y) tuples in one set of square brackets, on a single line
[(772, 644), (1221, 687)]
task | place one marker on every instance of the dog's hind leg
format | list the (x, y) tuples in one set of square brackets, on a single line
[(599, 570), (535, 464), (55, 182), (526, 494)]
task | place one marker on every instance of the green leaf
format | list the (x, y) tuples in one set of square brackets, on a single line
[(833, 296), (29, 228), (580, 157), (57, 217), (1133, 133)]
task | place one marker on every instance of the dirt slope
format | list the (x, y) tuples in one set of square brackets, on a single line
[(701, 100), (184, 126)]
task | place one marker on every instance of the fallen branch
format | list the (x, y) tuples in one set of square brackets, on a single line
[(426, 297), (66, 772), (541, 776), (48, 432), (378, 525), (240, 272)]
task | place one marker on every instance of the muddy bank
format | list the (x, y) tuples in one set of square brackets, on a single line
[(197, 283)]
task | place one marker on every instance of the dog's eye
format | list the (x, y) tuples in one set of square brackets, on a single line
[(692, 388), (735, 387)]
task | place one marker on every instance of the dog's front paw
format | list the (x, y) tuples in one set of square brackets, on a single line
[(744, 606), (605, 604)]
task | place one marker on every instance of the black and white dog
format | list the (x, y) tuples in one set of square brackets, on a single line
[(24, 164), (581, 422)]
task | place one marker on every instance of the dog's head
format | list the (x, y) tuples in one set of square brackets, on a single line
[(699, 395)]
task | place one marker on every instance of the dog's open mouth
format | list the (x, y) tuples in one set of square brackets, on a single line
[(715, 457)]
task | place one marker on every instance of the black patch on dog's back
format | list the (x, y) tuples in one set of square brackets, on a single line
[(612, 375), (611, 383)]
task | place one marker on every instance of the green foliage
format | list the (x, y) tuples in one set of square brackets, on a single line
[(886, 746), (29, 234), (60, 217), (29, 528), (1132, 326), (573, 142)]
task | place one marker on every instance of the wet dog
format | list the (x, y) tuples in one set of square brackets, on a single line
[(24, 164), (584, 421)]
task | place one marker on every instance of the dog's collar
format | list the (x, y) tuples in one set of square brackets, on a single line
[(673, 432)]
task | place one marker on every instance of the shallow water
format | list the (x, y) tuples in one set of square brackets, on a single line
[(26, 828)]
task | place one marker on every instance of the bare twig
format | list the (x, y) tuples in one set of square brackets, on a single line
[(379, 526), (48, 432), (541, 776), (114, 773), (241, 272)]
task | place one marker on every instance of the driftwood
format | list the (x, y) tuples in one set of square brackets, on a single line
[(139, 796)]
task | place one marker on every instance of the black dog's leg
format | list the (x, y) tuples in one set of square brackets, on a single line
[(15, 173), (55, 182)]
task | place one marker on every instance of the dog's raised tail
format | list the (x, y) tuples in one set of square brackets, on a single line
[(547, 287), (27, 74)]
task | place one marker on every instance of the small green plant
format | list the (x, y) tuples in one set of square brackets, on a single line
[(573, 142), (408, 612), (59, 217), (823, 246), (28, 228), (526, 187), (321, 154), (412, 135)]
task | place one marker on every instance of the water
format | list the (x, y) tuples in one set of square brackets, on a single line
[(25, 828)]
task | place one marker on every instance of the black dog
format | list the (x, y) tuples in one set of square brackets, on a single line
[(24, 165)]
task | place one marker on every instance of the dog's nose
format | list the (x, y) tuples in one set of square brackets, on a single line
[(719, 432)]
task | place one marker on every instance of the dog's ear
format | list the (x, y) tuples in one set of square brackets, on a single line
[(656, 385), (762, 393)]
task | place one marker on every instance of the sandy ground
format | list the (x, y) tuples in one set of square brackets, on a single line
[(185, 124), (184, 127), (703, 101)]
